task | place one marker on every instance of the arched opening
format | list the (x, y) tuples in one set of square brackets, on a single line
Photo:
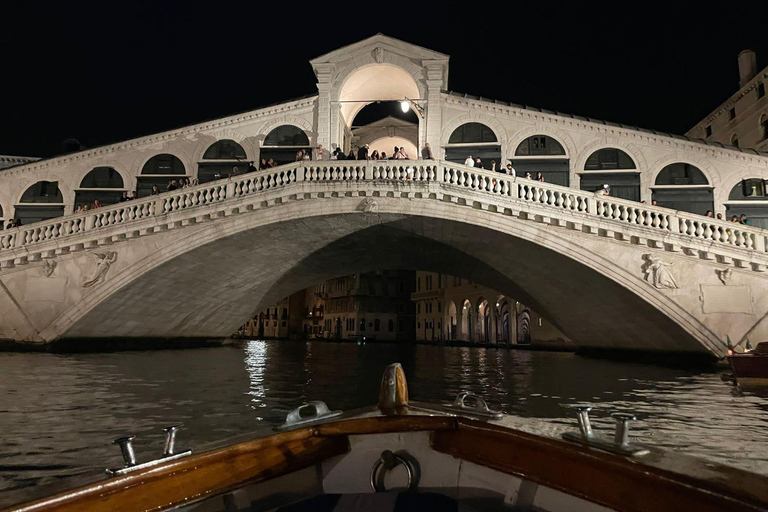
[(466, 321), (477, 140), (41, 201), (684, 187), (387, 144), (104, 184), (160, 170), (2, 218), (524, 327), (542, 153), (382, 87), (220, 160), (735, 140), (613, 167), (749, 198), (282, 145), (502, 320), (382, 125)]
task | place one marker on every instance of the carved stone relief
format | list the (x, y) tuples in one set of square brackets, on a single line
[(102, 262), (369, 205), (724, 275), (48, 267), (657, 273), (378, 55)]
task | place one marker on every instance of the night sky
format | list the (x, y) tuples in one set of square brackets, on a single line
[(105, 72)]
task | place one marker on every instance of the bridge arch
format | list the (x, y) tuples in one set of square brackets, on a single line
[(176, 165), (388, 143), (693, 192), (93, 183), (333, 236), (24, 209)]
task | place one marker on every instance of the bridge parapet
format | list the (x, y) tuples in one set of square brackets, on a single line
[(625, 220)]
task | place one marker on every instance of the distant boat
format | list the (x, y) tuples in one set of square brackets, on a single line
[(751, 368)]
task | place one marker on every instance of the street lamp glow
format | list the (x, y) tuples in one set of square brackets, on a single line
[(404, 106)]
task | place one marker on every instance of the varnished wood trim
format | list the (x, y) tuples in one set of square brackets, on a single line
[(663, 482), (197, 477), (386, 424)]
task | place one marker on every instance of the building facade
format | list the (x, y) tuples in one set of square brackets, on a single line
[(684, 173), (450, 309), (742, 122)]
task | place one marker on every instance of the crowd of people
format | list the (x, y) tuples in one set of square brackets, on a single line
[(363, 153)]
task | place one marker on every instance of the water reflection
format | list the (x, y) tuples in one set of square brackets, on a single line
[(58, 414)]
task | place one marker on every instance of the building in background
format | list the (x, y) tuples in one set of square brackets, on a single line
[(452, 309), (374, 305), (741, 121)]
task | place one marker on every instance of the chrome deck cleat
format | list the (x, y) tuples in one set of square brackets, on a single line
[(620, 443), (129, 456), (295, 418)]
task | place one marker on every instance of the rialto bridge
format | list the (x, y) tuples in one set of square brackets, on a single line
[(611, 272)]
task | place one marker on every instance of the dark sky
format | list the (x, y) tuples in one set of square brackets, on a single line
[(105, 72)]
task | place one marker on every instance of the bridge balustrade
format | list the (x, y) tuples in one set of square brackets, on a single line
[(448, 174)]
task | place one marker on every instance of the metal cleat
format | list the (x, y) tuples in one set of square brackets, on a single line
[(295, 418), (620, 443), (129, 456)]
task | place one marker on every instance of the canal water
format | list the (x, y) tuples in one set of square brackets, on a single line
[(59, 413)]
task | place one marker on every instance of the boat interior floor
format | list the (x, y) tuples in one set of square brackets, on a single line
[(395, 502)]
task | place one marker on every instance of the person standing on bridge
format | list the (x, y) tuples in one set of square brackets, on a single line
[(511, 171), (362, 153), (469, 162), (605, 191), (539, 177), (479, 163), (426, 152), (319, 152)]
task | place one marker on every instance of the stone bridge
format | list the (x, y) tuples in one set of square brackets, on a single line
[(197, 262)]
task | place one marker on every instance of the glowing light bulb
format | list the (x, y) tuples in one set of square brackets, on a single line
[(404, 106)]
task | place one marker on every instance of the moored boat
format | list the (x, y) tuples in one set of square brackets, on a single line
[(406, 455), (750, 369)]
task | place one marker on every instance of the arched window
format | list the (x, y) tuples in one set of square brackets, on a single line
[(541, 153), (684, 187), (476, 140), (471, 133), (102, 183), (286, 135), (159, 170), (735, 140), (282, 144), (749, 197), (41, 201), (164, 164), (681, 174), (539, 145), (224, 150), (228, 155), (625, 185), (608, 158)]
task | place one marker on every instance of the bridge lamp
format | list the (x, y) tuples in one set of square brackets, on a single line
[(405, 106)]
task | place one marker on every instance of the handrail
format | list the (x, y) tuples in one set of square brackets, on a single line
[(449, 174)]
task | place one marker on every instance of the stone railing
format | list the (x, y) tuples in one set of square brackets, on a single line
[(519, 192)]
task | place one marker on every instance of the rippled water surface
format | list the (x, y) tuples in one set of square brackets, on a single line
[(58, 413)]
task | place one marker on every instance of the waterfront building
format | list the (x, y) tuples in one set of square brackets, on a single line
[(450, 308), (741, 122)]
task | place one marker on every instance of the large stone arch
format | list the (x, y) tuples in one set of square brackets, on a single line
[(325, 241), (204, 141), (369, 59), (128, 180), (474, 117)]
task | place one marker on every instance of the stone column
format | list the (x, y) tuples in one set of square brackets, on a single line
[(434, 114), (492, 324), (323, 124)]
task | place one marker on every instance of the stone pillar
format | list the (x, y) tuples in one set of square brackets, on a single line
[(492, 324), (324, 118), (434, 114)]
